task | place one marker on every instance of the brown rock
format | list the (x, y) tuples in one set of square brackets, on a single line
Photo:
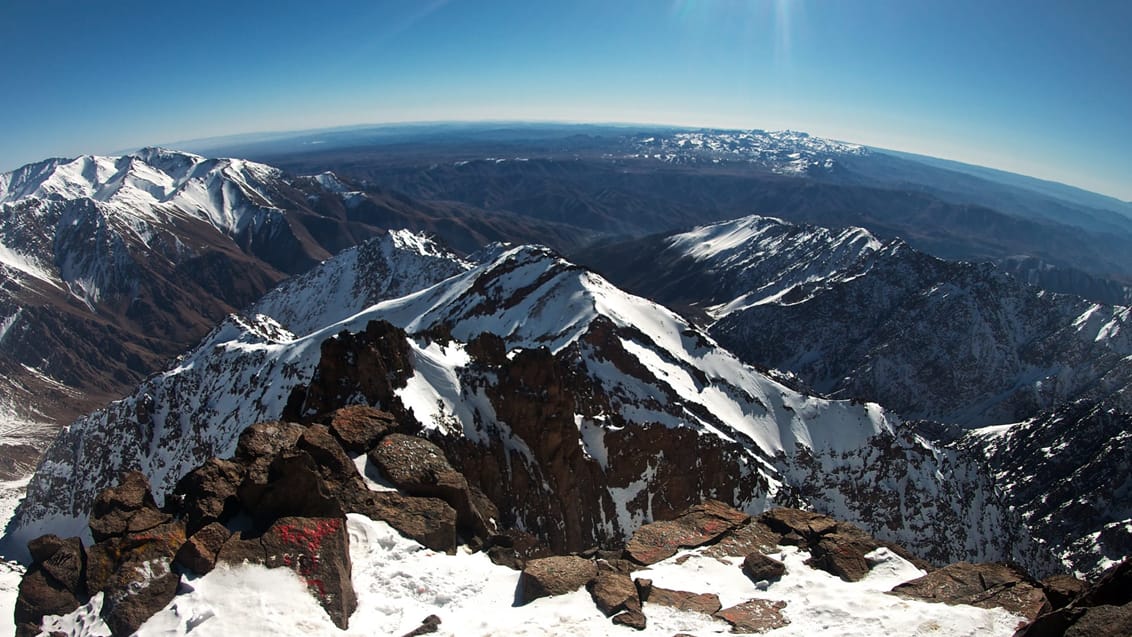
[(804, 524), (326, 451), (1114, 588), (706, 603), (699, 525), (360, 427), (418, 467), (64, 560), (294, 488), (842, 555), (753, 537), (429, 521), (1062, 589), (551, 576), (988, 585), (261, 442), (759, 567), (1103, 621), (209, 493), (126, 508), (430, 625), (40, 594), (199, 553), (631, 618), (317, 549), (134, 573), (613, 592), (512, 548), (754, 616)]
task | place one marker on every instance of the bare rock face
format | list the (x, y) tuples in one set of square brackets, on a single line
[(753, 537), (990, 585), (1062, 589), (55, 582), (135, 575), (419, 468), (260, 443), (360, 427), (754, 616), (316, 549), (700, 525), (549, 576), (199, 553), (126, 508), (1103, 609), (707, 603), (209, 493), (430, 521)]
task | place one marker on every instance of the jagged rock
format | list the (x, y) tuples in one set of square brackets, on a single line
[(842, 555), (209, 493), (63, 560), (988, 585), (754, 616), (317, 549), (1062, 589), (796, 523), (759, 567), (631, 618), (697, 526), (360, 427), (134, 573), (1103, 621), (429, 521), (549, 576), (431, 624), (260, 443), (512, 548), (419, 468), (327, 452), (126, 508), (295, 488), (707, 603), (41, 594), (614, 592), (199, 553), (1107, 602), (752, 537)]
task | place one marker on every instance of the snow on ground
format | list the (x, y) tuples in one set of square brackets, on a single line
[(10, 572), (399, 583)]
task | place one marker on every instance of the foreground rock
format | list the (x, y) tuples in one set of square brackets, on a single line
[(1101, 610), (991, 585), (700, 525), (706, 603), (549, 576), (754, 616)]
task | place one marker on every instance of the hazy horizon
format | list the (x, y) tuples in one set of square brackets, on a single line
[(1038, 89)]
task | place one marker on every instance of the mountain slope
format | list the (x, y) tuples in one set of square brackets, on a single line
[(858, 318), (570, 391)]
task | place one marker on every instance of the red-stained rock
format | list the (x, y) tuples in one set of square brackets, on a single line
[(699, 525)]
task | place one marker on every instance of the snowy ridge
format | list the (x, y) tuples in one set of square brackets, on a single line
[(783, 152), (678, 379)]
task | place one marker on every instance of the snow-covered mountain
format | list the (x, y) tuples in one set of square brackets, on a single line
[(782, 152), (568, 389), (856, 317)]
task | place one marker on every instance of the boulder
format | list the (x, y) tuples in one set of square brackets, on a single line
[(631, 618), (41, 594), (294, 488), (753, 537), (418, 467), (759, 567), (1103, 621), (754, 616), (549, 576), (199, 553), (260, 443), (1101, 609), (431, 624), (209, 493), (699, 525), (316, 549), (987, 585), (1062, 589), (429, 521), (512, 548), (706, 603), (126, 508), (135, 575), (63, 560), (843, 555), (613, 592), (360, 427)]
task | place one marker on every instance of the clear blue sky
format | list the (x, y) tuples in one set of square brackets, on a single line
[(1039, 87)]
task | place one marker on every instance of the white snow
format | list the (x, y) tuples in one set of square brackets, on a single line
[(399, 583)]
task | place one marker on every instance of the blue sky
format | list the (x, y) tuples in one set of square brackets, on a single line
[(1039, 87)]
